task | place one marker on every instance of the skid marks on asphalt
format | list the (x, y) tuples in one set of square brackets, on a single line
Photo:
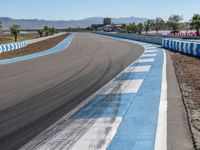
[(121, 115)]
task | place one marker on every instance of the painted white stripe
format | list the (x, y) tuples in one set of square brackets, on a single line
[(1, 49), (4, 48), (138, 69), (151, 51), (180, 43), (146, 60), (194, 49), (8, 47), (149, 55), (161, 136), (124, 86)]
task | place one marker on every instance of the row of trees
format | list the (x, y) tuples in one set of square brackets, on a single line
[(0, 25), (46, 30), (173, 23), (15, 30)]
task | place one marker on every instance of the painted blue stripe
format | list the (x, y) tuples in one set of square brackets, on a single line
[(63, 45), (148, 57), (112, 105), (198, 50), (138, 128), (142, 64), (191, 48), (187, 47), (178, 43)]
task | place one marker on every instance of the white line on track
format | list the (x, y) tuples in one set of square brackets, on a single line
[(161, 136)]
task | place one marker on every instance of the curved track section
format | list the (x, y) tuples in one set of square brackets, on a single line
[(37, 92)]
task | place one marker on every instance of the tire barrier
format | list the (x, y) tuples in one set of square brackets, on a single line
[(185, 47), (12, 46)]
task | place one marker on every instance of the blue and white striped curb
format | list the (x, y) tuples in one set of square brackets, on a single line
[(12, 46), (61, 46), (124, 114), (190, 48)]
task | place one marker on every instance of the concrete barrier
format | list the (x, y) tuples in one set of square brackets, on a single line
[(12, 46), (44, 38), (148, 39), (186, 47)]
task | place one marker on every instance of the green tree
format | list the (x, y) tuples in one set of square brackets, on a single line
[(174, 23), (151, 24), (46, 30), (52, 30), (159, 23), (15, 30), (147, 25), (0, 25), (131, 28), (195, 24), (40, 32), (140, 28)]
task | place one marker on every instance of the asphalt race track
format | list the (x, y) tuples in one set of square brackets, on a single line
[(37, 92)]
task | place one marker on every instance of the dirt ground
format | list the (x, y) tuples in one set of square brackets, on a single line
[(188, 74), (21, 37), (34, 48)]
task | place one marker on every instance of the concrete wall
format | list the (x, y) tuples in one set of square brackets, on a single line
[(148, 39), (185, 47), (44, 38)]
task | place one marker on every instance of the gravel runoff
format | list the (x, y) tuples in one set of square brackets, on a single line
[(35, 47), (188, 74)]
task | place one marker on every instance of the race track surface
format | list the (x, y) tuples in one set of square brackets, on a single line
[(37, 92)]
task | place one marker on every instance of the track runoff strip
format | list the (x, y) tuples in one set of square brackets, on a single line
[(127, 113), (61, 46)]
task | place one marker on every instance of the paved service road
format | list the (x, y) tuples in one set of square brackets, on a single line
[(35, 93)]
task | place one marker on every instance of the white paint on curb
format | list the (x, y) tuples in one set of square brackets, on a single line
[(161, 136)]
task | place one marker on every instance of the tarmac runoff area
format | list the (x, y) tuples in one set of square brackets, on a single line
[(130, 112)]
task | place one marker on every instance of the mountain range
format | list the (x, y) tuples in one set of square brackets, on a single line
[(62, 24)]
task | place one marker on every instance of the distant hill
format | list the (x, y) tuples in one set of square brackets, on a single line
[(60, 24)]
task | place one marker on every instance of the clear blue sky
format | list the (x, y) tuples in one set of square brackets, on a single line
[(79, 9)]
